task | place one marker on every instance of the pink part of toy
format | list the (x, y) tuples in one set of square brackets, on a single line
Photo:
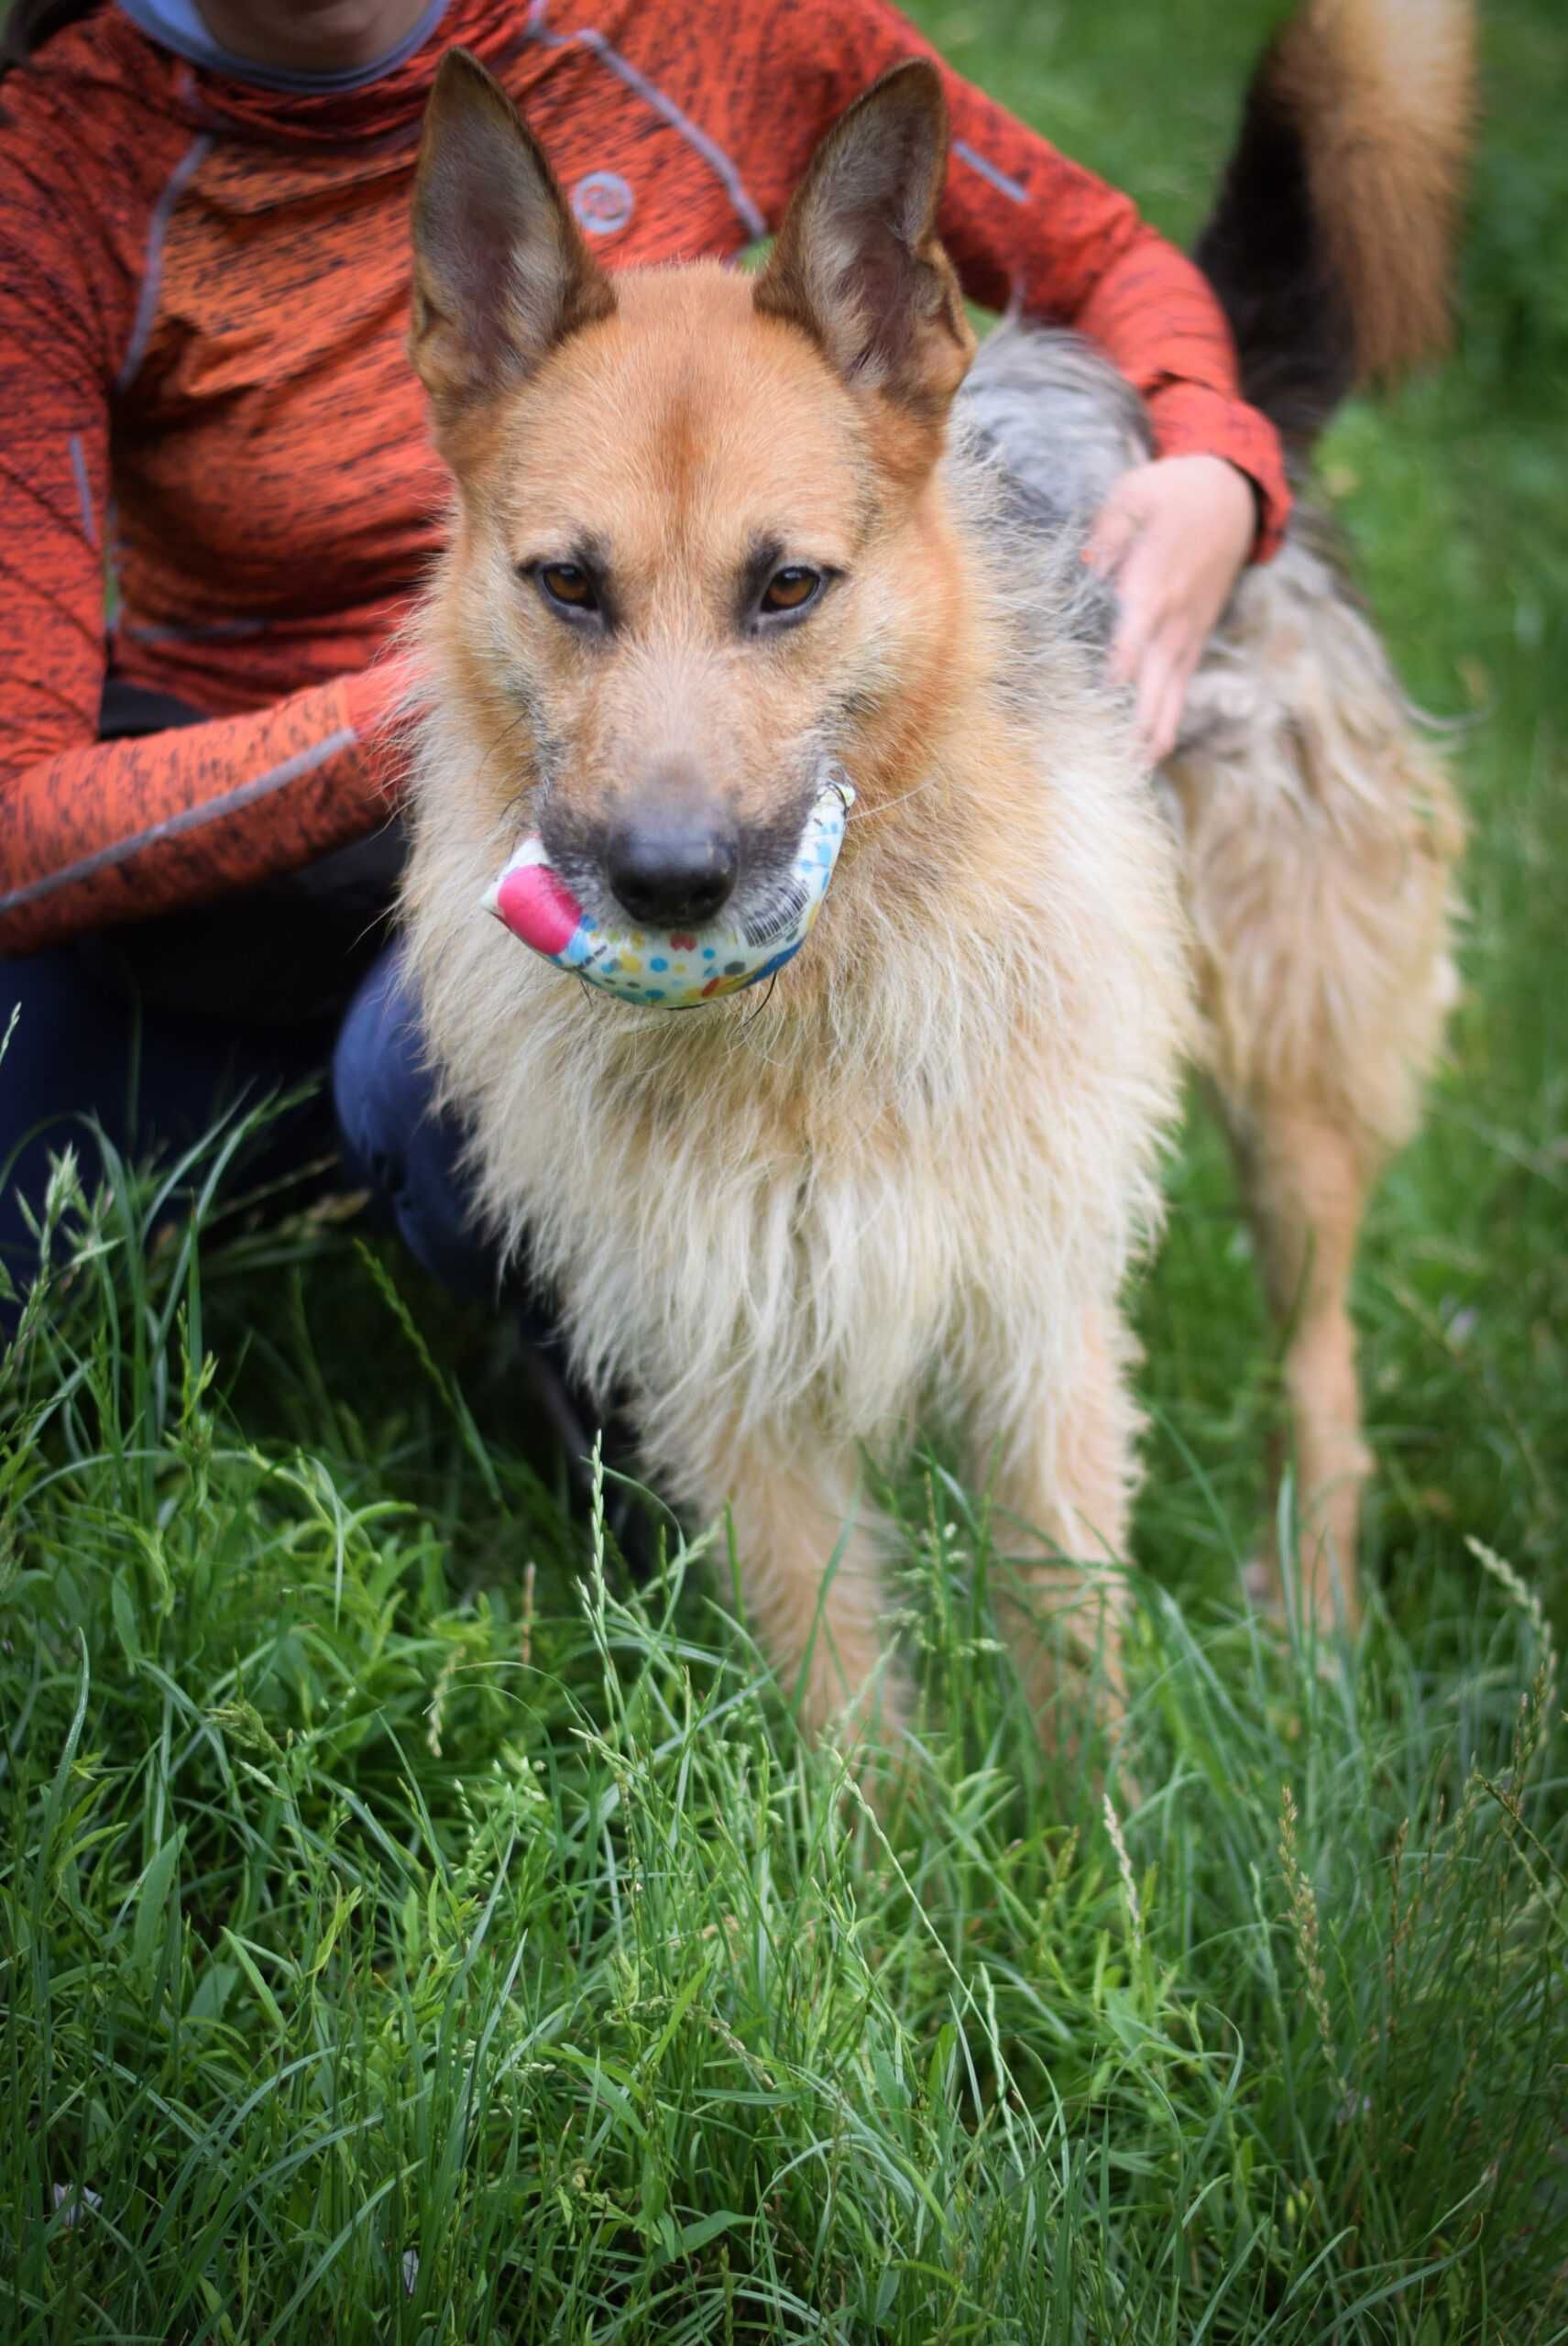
[(538, 908)]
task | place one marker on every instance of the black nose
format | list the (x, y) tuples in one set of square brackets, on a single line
[(671, 875)]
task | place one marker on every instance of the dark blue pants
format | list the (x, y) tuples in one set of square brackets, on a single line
[(393, 1140), (157, 1076)]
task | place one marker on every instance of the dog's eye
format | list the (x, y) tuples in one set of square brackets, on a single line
[(567, 584), (792, 589)]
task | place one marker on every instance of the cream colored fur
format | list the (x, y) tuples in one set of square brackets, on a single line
[(917, 1179)]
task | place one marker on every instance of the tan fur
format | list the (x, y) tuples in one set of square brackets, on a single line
[(1319, 837), (912, 1180), (1384, 93)]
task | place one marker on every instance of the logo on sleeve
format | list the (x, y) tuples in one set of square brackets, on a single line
[(603, 203)]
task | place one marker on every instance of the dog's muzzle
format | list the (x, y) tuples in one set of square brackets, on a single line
[(676, 968)]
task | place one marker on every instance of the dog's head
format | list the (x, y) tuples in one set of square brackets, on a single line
[(695, 556)]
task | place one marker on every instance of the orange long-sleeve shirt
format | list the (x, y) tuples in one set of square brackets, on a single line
[(204, 293)]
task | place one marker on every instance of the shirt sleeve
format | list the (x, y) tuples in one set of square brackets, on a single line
[(1028, 229), (92, 834)]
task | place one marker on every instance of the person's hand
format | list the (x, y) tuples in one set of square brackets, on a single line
[(1173, 535)]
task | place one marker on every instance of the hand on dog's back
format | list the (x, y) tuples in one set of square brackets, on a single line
[(1174, 535)]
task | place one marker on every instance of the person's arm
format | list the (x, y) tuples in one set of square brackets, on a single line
[(91, 835)]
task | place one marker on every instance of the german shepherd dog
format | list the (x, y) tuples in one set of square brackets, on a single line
[(710, 530)]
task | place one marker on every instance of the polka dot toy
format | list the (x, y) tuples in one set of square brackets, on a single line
[(666, 969)]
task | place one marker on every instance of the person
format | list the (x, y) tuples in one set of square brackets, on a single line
[(211, 430)]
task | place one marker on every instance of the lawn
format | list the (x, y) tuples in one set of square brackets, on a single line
[(415, 1925)]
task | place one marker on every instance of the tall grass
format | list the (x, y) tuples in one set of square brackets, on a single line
[(417, 1927)]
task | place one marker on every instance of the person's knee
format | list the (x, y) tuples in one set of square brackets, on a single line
[(379, 1088), (397, 1142)]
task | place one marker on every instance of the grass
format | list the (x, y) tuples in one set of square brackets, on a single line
[(416, 1927)]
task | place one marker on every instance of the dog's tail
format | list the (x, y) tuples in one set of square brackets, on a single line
[(1331, 245)]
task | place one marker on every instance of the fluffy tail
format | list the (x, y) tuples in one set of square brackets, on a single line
[(1332, 241)]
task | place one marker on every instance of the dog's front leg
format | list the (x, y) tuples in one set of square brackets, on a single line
[(1062, 1473), (808, 1544)]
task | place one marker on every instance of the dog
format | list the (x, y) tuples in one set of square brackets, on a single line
[(710, 531)]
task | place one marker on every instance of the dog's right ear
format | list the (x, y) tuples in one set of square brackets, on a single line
[(501, 273)]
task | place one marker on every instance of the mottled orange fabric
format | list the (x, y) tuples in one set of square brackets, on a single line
[(204, 293)]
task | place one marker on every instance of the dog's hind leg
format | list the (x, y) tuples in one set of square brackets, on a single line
[(1320, 838), (1305, 1180)]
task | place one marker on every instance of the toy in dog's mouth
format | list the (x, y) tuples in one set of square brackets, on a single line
[(675, 968)]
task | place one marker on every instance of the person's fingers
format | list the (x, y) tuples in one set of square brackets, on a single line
[(1129, 646), (1166, 723), (1116, 525), (1149, 686), (1162, 695), (1164, 535), (1208, 601), (1143, 612)]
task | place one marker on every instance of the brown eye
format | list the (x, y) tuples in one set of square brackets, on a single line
[(791, 589), (567, 584)]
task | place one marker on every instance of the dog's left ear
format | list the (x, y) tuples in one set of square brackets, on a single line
[(858, 265)]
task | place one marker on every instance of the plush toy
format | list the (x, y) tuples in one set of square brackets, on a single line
[(675, 968)]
